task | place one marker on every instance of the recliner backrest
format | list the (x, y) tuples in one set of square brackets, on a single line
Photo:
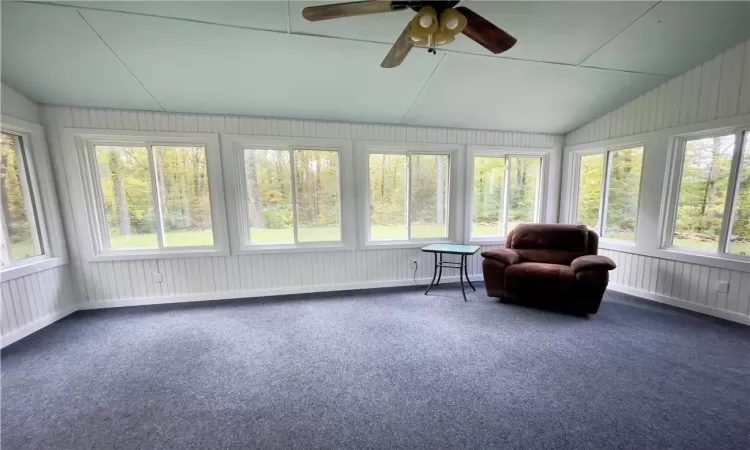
[(552, 243)]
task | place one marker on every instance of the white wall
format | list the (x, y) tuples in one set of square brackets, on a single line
[(713, 95), (204, 278), (38, 299)]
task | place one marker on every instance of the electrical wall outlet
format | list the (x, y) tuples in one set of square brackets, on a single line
[(722, 286), (158, 278), (414, 262)]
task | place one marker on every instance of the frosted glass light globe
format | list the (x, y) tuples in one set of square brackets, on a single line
[(452, 24), (425, 21)]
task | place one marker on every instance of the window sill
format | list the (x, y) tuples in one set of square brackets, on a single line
[(31, 268), (615, 244), (294, 248), (161, 254), (487, 241), (379, 245), (731, 262)]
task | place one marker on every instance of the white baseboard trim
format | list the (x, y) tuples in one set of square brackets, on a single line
[(727, 315), (229, 295), (33, 327)]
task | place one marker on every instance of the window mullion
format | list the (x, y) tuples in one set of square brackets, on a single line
[(240, 181), (506, 194), (6, 251), (408, 196), (732, 187), (604, 198), (293, 163), (28, 195), (158, 220)]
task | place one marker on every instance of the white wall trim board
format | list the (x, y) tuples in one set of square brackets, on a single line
[(726, 315), (35, 326)]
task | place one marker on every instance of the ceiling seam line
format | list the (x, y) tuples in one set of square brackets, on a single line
[(121, 61), (424, 86), (289, 16), (342, 38), (619, 32)]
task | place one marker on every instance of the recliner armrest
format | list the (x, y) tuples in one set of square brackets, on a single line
[(502, 255), (592, 262)]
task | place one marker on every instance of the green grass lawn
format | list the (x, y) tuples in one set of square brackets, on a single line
[(261, 236)]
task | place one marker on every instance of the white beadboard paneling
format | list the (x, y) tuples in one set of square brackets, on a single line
[(709, 97), (718, 88), (264, 274), (33, 301), (16, 105), (683, 283), (729, 82), (744, 100)]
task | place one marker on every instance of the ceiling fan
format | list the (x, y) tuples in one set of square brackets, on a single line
[(436, 23)]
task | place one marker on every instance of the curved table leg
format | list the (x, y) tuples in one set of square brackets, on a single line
[(461, 277), (440, 273), (434, 274), (466, 272)]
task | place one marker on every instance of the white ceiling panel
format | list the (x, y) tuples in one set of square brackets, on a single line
[(200, 68), (492, 93), (555, 31), (51, 55), (676, 36), (261, 15), (565, 32)]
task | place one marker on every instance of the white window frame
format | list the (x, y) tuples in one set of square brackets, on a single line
[(36, 164), (233, 148), (455, 191), (668, 219), (604, 198), (504, 152), (89, 213)]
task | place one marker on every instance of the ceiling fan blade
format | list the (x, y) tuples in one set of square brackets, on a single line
[(485, 33), (325, 12), (398, 52)]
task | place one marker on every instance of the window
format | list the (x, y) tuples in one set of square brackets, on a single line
[(293, 196), (712, 212), (22, 229), (151, 194), (608, 192), (409, 195), (506, 192)]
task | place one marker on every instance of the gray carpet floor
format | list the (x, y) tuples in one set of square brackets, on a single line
[(379, 369)]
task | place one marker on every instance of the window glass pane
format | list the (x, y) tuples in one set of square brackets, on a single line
[(182, 174), (19, 214), (590, 190), (388, 177), (429, 195), (623, 189), (489, 184), (318, 200), (269, 196), (739, 241), (703, 190), (523, 190), (127, 195)]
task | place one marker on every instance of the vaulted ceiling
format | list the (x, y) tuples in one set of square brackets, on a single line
[(574, 61)]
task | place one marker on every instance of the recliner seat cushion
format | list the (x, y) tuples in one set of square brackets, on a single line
[(539, 279)]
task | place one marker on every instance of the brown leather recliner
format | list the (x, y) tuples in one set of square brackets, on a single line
[(553, 263)]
